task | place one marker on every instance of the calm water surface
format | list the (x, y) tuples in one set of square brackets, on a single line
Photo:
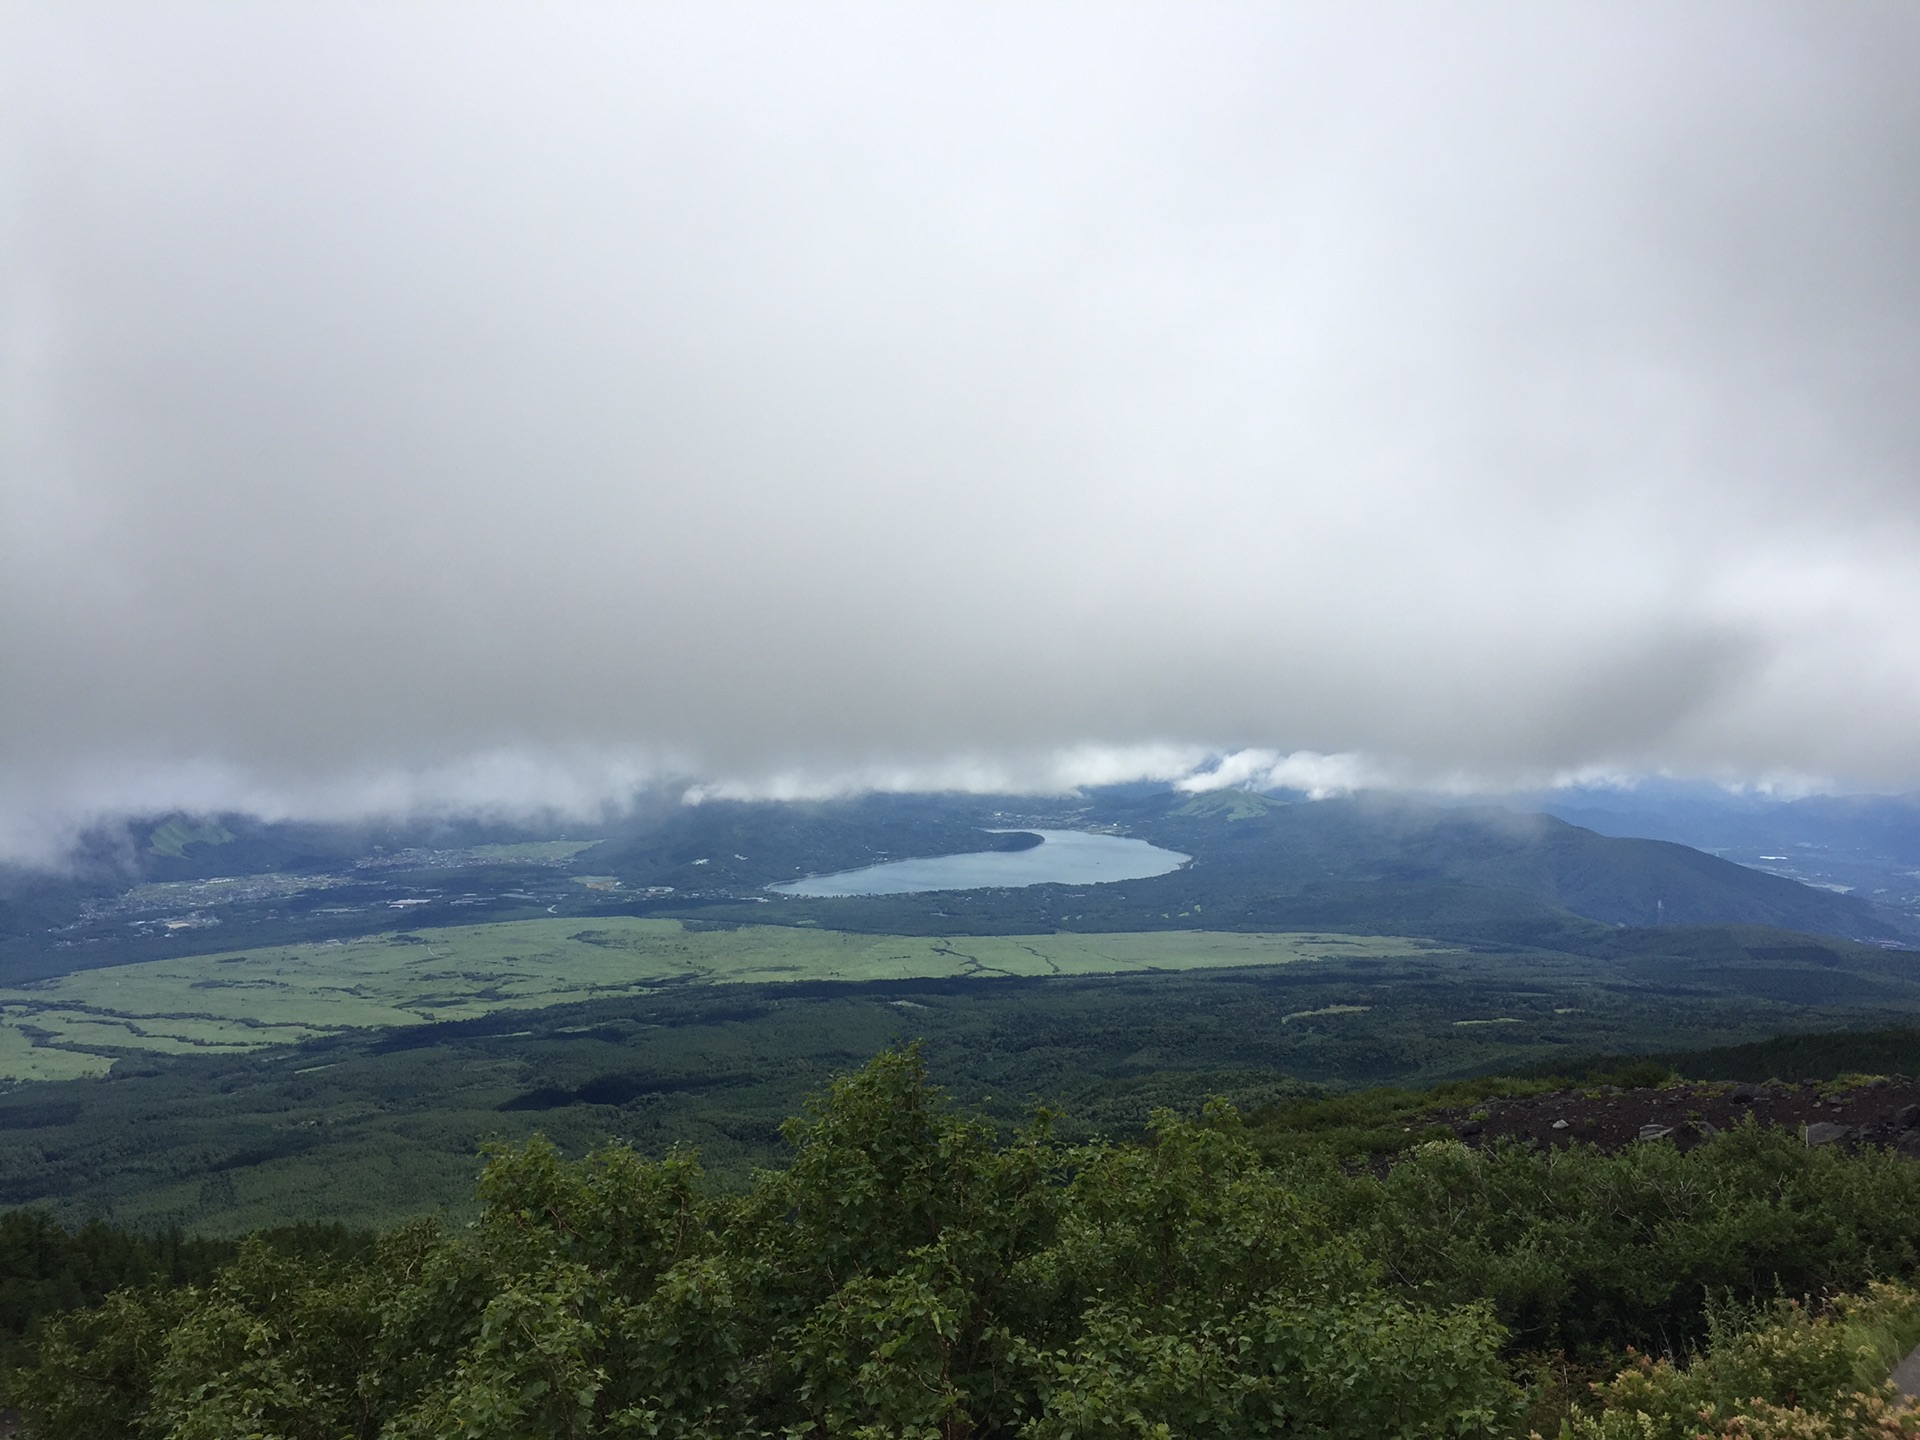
[(1063, 857)]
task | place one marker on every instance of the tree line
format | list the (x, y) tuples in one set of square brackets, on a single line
[(912, 1272)]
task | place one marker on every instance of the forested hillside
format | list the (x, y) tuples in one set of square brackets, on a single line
[(173, 886), (376, 1127), (910, 1272)]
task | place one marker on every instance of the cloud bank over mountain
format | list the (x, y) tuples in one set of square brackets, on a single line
[(408, 405)]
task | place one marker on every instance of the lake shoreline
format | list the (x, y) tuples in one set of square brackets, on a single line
[(1062, 857)]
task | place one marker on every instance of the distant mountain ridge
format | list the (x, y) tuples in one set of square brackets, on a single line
[(1397, 844), (1260, 862), (1867, 845), (1480, 875)]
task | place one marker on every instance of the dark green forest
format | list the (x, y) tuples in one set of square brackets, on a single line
[(914, 1269), (373, 1128), (1233, 1202)]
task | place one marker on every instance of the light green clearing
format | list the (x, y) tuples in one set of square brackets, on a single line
[(534, 852), (1498, 1020), (246, 999), (22, 1059), (1233, 804), (173, 1035), (172, 838), (1325, 1010), (223, 889)]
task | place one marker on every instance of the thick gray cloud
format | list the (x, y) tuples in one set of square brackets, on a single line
[(466, 401)]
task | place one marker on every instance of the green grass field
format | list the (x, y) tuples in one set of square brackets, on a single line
[(243, 1000), (531, 852), (23, 1057)]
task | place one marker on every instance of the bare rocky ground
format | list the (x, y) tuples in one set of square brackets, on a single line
[(1884, 1112)]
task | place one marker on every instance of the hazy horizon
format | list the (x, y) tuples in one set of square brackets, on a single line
[(499, 409)]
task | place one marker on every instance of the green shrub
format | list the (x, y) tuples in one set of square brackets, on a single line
[(1587, 1252), (906, 1275), (911, 1273), (1796, 1375)]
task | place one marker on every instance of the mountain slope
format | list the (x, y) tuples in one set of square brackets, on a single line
[(1395, 849)]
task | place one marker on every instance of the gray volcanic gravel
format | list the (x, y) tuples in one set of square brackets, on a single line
[(1882, 1111)]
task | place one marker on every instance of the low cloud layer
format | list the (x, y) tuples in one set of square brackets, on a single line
[(428, 402)]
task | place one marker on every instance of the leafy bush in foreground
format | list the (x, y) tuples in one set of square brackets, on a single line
[(1796, 1375), (46, 1269), (908, 1274), (905, 1275), (1587, 1252)]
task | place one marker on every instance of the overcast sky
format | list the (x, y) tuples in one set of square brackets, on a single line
[(419, 404)]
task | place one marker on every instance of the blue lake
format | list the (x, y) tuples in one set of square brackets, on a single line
[(1063, 857)]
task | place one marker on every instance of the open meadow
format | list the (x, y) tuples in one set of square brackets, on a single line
[(243, 1000)]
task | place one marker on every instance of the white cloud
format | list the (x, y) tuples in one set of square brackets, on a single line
[(1059, 772), (1320, 776), (38, 825), (841, 399)]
